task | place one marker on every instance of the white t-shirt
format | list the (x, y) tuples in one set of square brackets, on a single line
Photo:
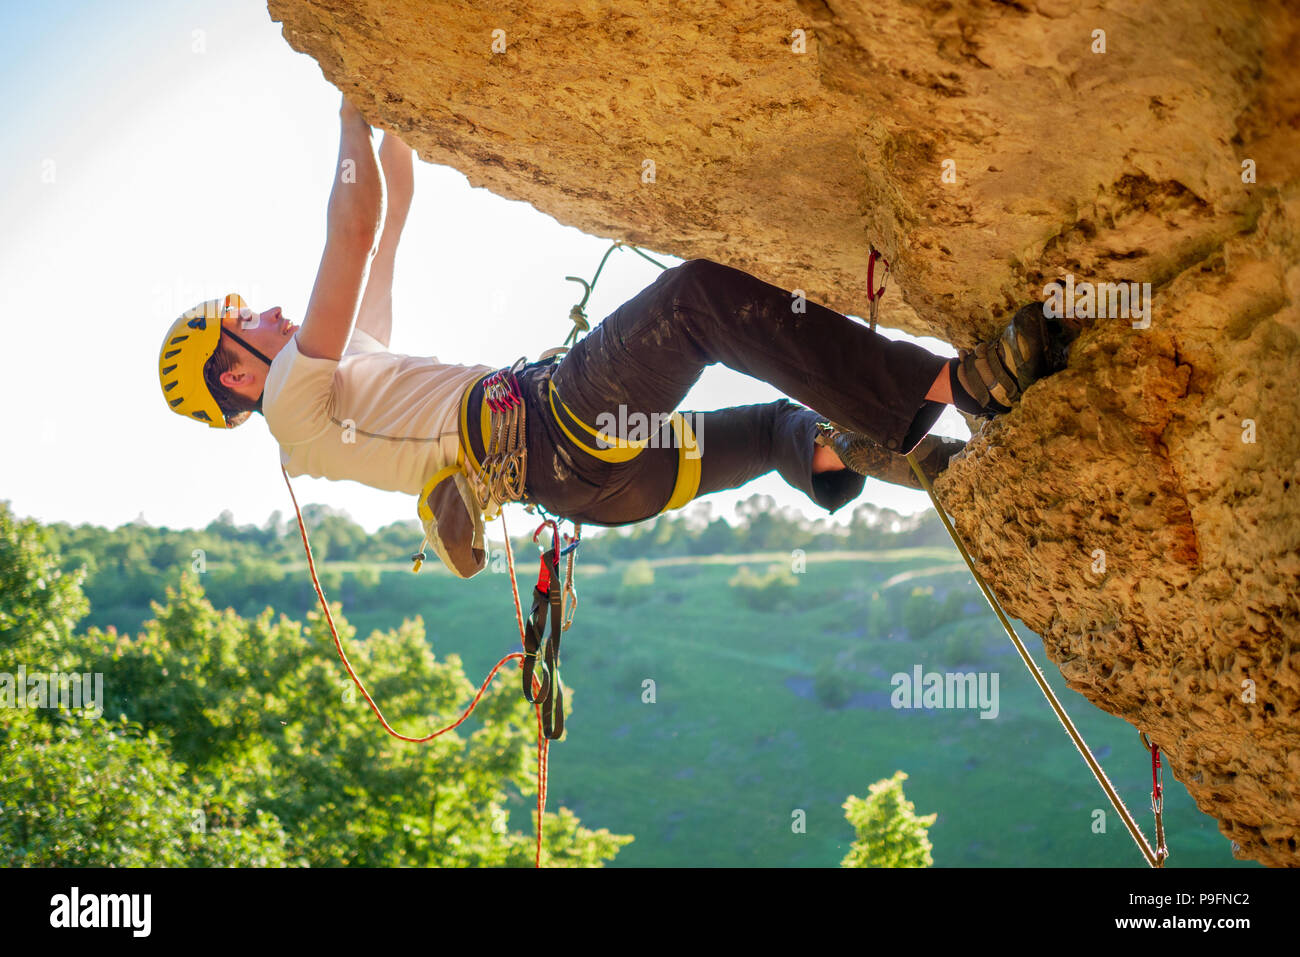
[(386, 420)]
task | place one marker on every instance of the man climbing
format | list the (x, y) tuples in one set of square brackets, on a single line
[(342, 407)]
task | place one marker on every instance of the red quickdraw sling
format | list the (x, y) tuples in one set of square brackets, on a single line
[(547, 605)]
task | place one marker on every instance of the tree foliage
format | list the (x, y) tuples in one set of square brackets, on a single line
[(923, 614), (235, 736), (233, 741), (99, 794), (39, 604), (831, 686), (889, 832)]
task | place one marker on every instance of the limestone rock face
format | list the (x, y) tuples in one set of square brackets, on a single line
[(1139, 509)]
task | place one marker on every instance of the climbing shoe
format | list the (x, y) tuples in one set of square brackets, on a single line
[(866, 456), (989, 379)]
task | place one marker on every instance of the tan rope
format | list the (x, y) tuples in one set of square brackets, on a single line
[(1151, 856)]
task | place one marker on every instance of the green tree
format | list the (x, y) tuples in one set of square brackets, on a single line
[(40, 605), (765, 591), (87, 793), (241, 741), (715, 539), (267, 707), (889, 833), (830, 685)]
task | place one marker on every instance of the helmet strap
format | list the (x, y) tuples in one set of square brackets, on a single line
[(247, 346), (256, 352)]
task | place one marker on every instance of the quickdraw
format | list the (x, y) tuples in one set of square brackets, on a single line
[(546, 603), (1157, 798), (874, 295), (502, 480), (547, 597), (505, 460)]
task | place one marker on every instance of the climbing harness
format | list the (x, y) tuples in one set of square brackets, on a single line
[(501, 478), (1155, 858), (498, 479)]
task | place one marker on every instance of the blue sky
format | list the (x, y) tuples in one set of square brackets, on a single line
[(158, 154)]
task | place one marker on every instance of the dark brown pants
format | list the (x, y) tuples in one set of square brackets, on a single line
[(647, 354)]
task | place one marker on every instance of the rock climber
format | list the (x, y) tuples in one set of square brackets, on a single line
[(341, 406)]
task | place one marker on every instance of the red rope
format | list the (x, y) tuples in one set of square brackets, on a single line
[(542, 742)]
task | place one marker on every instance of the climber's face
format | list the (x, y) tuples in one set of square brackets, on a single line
[(268, 332)]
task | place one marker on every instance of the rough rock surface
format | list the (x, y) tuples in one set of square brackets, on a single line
[(1122, 164)]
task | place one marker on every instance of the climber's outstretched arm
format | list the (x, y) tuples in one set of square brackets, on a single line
[(356, 210), (376, 315)]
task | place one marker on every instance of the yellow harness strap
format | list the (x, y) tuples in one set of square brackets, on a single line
[(687, 484), (688, 464), (617, 449), (485, 425)]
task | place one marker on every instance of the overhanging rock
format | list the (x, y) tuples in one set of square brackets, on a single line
[(1139, 510)]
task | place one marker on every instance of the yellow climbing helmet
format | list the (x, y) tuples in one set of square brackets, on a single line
[(189, 343)]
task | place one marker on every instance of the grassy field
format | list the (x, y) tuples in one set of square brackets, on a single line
[(736, 741)]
